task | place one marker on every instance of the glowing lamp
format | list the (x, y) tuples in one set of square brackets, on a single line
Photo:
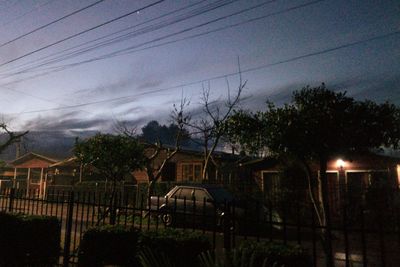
[(340, 164)]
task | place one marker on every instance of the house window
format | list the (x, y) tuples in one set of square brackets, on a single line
[(271, 183), (168, 173), (358, 183), (191, 171)]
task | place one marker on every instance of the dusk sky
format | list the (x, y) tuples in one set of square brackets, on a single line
[(89, 69)]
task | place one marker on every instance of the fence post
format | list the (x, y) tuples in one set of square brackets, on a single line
[(227, 222), (11, 197), (68, 229)]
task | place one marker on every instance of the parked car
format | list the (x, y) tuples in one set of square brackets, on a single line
[(205, 206)]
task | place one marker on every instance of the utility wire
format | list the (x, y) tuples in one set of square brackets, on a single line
[(51, 23), (265, 66), (180, 9), (26, 13), (108, 35), (82, 32), (141, 31), (134, 48)]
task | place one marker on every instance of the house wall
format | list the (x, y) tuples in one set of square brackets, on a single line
[(34, 163), (179, 159)]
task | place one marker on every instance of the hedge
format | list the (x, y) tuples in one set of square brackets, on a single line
[(29, 240), (109, 244), (277, 254), (181, 247), (117, 245)]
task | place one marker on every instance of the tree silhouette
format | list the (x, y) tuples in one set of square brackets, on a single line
[(317, 125), (113, 156)]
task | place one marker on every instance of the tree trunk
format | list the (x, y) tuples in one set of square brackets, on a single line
[(327, 233), (113, 204)]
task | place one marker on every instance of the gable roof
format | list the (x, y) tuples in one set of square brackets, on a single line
[(69, 162), (30, 156)]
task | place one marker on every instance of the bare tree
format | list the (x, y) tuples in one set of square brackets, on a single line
[(12, 137), (210, 125), (152, 166)]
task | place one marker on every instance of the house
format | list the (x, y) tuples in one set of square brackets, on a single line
[(349, 177), (187, 165), (28, 172)]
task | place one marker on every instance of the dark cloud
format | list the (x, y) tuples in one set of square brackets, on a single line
[(66, 122), (379, 89), (149, 84)]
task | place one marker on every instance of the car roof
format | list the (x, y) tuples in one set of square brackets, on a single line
[(204, 186)]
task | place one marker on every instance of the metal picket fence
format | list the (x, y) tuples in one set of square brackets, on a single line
[(359, 236)]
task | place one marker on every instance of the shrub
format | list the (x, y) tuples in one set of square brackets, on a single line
[(29, 240), (110, 244), (276, 254), (181, 247)]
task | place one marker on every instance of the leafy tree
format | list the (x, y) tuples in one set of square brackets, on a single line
[(114, 156), (317, 125), (153, 133)]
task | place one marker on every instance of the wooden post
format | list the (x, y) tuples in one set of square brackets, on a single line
[(45, 185), (15, 178), (41, 183), (28, 181), (80, 173)]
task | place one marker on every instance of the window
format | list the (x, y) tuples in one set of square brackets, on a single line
[(191, 171), (200, 195), (186, 193), (271, 183), (168, 173)]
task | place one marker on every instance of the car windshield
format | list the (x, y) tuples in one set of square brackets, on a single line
[(220, 194)]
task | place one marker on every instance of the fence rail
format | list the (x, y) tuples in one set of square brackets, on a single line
[(367, 236)]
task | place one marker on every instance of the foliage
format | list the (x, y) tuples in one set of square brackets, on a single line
[(317, 125), (253, 254), (274, 253), (153, 133), (29, 240), (108, 245), (114, 156), (149, 258), (238, 131), (319, 122), (182, 247), (120, 246)]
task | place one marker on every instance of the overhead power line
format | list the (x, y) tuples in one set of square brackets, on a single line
[(265, 66), (131, 49), (51, 23), (196, 12), (142, 31), (82, 32), (107, 35), (203, 9), (26, 13)]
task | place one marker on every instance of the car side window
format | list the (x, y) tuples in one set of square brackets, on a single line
[(200, 195), (176, 193), (186, 193)]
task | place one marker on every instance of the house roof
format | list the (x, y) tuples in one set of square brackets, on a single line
[(69, 162), (365, 159), (197, 152), (30, 156)]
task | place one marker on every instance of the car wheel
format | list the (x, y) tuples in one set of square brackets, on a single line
[(167, 219)]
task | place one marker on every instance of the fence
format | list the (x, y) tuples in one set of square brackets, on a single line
[(365, 237)]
